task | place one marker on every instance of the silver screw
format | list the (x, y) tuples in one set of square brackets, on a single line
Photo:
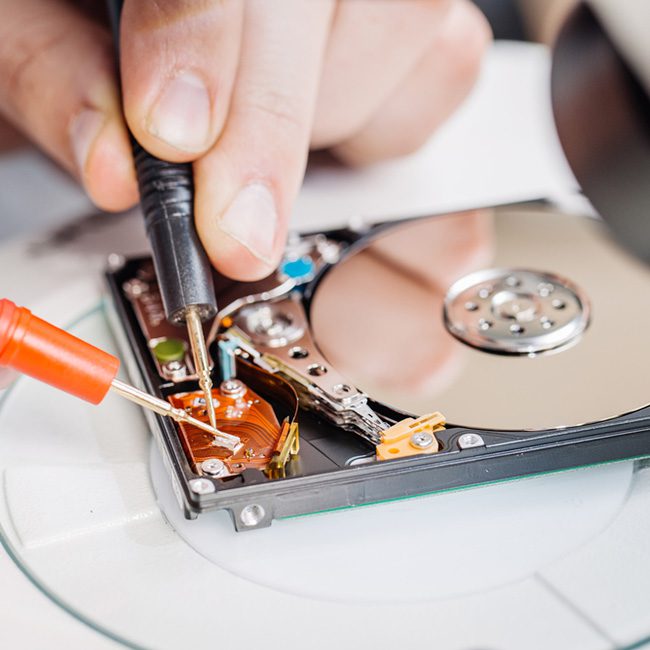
[(484, 324), (422, 440), (252, 514), (470, 440), (135, 287), (272, 323), (175, 370), (330, 251), (115, 261), (213, 466), (545, 289), (298, 353), (546, 322), (232, 388), (202, 486), (343, 389), (357, 223), (317, 370)]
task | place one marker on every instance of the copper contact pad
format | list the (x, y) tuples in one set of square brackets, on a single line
[(249, 417)]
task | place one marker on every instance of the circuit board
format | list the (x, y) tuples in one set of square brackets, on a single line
[(241, 412)]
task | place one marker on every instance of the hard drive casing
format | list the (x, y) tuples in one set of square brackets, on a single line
[(330, 472)]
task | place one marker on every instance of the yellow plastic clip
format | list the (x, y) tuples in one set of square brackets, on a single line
[(287, 447), (411, 437)]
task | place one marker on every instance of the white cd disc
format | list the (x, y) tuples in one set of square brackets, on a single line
[(501, 319)]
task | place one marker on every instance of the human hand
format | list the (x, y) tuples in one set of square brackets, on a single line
[(243, 88)]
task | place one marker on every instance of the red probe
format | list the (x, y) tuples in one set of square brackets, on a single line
[(45, 352), (33, 347)]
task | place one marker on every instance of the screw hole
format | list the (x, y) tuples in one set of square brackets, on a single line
[(252, 514), (545, 289), (298, 353), (546, 323), (316, 370)]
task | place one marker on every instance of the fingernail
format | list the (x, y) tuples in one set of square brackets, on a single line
[(181, 116), (252, 219), (84, 129)]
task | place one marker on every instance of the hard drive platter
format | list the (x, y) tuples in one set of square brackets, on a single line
[(379, 318)]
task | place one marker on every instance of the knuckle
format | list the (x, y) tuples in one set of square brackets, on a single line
[(22, 54), (277, 107), (158, 14)]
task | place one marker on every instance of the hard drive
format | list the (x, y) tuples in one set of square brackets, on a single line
[(401, 359)]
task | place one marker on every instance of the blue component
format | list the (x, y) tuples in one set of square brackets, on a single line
[(300, 270), (227, 363)]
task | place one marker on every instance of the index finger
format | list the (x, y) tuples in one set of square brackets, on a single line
[(178, 62)]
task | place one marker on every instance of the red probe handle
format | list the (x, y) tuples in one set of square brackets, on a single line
[(30, 345)]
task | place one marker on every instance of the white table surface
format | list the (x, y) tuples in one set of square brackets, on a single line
[(574, 571)]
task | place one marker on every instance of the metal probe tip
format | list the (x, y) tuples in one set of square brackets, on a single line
[(201, 360), (221, 438)]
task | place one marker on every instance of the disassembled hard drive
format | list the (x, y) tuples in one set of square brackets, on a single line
[(409, 358)]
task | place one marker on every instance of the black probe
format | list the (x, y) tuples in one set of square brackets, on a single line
[(182, 265)]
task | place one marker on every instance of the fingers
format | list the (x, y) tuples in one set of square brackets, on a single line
[(247, 183), (371, 49), (179, 59), (428, 94), (57, 85)]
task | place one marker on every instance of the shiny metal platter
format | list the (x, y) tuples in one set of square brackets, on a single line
[(403, 318)]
